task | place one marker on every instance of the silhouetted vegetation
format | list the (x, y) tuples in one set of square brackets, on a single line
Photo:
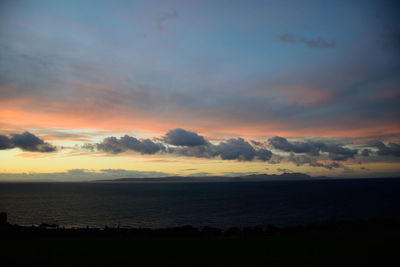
[(326, 243)]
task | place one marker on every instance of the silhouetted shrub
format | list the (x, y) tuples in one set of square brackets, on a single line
[(233, 231), (211, 231)]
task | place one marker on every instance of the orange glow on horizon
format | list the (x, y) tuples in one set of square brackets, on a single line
[(14, 118)]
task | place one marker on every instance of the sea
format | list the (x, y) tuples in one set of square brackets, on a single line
[(222, 205)]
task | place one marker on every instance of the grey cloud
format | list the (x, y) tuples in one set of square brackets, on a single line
[(25, 141), (365, 152), (392, 149), (190, 144), (181, 137), (286, 38), (263, 154), (195, 151), (256, 143), (228, 150), (5, 142), (240, 149), (302, 159), (165, 16), (336, 152), (118, 145), (312, 161), (185, 143), (88, 147), (296, 147), (319, 42), (275, 159)]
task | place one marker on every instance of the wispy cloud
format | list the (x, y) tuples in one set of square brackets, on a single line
[(318, 42), (164, 17), (287, 38)]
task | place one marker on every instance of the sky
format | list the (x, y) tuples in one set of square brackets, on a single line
[(114, 89)]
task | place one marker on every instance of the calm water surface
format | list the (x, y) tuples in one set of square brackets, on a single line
[(215, 204)]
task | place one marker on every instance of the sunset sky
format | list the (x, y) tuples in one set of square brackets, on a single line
[(114, 89)]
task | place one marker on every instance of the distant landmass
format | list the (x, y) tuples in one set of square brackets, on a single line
[(245, 178)]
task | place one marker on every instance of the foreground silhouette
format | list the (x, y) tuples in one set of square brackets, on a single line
[(329, 243)]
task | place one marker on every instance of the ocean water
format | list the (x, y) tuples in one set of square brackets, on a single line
[(223, 205)]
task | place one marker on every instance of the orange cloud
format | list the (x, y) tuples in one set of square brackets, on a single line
[(87, 114)]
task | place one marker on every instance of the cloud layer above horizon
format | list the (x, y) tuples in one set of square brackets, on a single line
[(329, 154)]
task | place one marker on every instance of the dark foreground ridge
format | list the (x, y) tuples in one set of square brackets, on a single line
[(329, 243)]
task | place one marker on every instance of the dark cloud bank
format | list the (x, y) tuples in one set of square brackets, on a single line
[(336, 152), (181, 142), (118, 145), (228, 150), (184, 143), (392, 149), (25, 141)]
